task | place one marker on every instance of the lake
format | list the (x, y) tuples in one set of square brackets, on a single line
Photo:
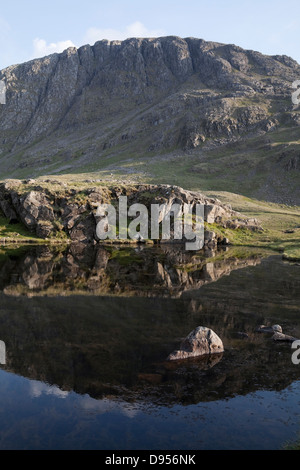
[(87, 330)]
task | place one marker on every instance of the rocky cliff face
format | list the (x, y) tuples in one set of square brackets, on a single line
[(55, 209), (140, 97)]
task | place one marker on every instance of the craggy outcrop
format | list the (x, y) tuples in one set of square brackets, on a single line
[(49, 209)]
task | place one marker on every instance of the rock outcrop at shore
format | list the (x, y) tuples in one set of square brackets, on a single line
[(50, 209)]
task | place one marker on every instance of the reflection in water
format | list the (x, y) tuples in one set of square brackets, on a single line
[(38, 388), (95, 325), (143, 271)]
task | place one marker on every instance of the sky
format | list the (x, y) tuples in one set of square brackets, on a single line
[(35, 28)]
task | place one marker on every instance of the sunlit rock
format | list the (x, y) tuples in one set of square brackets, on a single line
[(200, 341)]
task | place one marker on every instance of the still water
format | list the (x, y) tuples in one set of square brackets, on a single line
[(87, 332)]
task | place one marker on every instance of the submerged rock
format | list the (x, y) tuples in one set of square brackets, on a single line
[(269, 329), (200, 341), (242, 334), (282, 337)]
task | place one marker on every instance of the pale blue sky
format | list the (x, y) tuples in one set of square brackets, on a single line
[(34, 28)]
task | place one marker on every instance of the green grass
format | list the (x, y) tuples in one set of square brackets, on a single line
[(277, 221), (15, 232), (292, 253), (280, 222)]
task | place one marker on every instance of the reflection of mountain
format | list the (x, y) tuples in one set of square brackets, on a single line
[(117, 345), (166, 271)]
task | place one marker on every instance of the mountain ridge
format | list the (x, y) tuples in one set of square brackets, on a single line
[(143, 104)]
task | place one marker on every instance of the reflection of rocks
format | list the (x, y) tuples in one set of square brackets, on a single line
[(164, 271), (203, 362), (282, 337), (117, 346), (201, 341)]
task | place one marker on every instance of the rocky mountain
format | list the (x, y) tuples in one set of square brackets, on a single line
[(200, 114)]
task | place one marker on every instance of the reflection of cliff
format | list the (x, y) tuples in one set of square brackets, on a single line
[(117, 346), (143, 271)]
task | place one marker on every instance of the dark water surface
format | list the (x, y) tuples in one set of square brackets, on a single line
[(87, 332)]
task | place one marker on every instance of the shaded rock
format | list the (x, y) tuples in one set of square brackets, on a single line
[(210, 238), (44, 229), (212, 212), (8, 211), (199, 342)]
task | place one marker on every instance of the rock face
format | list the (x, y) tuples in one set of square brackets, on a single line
[(199, 342), (52, 209), (143, 97)]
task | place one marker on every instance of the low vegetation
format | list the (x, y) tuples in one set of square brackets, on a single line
[(280, 222)]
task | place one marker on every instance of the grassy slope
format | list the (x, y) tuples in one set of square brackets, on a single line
[(254, 165), (276, 219)]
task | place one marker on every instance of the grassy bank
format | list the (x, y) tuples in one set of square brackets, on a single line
[(281, 224)]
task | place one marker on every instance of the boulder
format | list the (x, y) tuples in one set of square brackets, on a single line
[(269, 329), (199, 342), (84, 230), (282, 337)]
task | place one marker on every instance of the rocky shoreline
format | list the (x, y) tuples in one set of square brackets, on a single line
[(53, 210)]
